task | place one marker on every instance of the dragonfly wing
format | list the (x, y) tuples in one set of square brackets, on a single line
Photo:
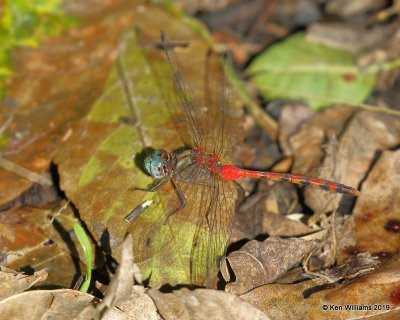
[(186, 110), (225, 110), (213, 230), (164, 243), (205, 105), (186, 247)]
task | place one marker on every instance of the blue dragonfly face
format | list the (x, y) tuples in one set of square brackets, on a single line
[(157, 163)]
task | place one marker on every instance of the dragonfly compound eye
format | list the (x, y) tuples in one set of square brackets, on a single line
[(147, 163), (155, 164)]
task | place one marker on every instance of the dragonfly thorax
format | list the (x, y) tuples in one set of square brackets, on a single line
[(160, 163), (209, 161)]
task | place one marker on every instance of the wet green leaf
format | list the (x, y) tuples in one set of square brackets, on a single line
[(298, 69)]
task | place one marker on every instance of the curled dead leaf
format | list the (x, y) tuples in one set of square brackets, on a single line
[(120, 288), (258, 263), (12, 282), (351, 268), (365, 135), (373, 296)]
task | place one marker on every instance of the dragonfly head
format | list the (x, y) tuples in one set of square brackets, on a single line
[(159, 164)]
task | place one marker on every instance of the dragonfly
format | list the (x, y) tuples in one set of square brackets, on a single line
[(204, 184)]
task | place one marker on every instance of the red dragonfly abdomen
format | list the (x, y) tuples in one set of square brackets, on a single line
[(230, 172)]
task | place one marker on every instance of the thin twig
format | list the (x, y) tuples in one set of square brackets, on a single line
[(23, 146), (334, 240), (316, 274), (65, 206), (23, 172), (5, 124)]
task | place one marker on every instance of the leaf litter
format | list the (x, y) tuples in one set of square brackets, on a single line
[(258, 263), (36, 239), (353, 259), (53, 86)]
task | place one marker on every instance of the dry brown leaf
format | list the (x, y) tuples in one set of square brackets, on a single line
[(49, 304), (120, 288), (66, 303), (205, 5), (263, 213), (307, 144), (348, 9), (12, 282), (365, 134), (377, 211), (349, 36), (291, 117), (138, 306), (203, 304), (378, 291), (282, 198), (319, 200), (258, 263), (53, 86), (335, 236), (282, 226), (35, 196), (351, 268), (41, 240)]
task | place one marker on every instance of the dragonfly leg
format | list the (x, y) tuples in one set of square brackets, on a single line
[(157, 184), (181, 198), (137, 211), (207, 214)]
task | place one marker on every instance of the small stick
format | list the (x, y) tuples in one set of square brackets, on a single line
[(23, 172)]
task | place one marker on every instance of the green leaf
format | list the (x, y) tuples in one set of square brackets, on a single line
[(298, 69), (89, 257), (98, 166), (100, 163)]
